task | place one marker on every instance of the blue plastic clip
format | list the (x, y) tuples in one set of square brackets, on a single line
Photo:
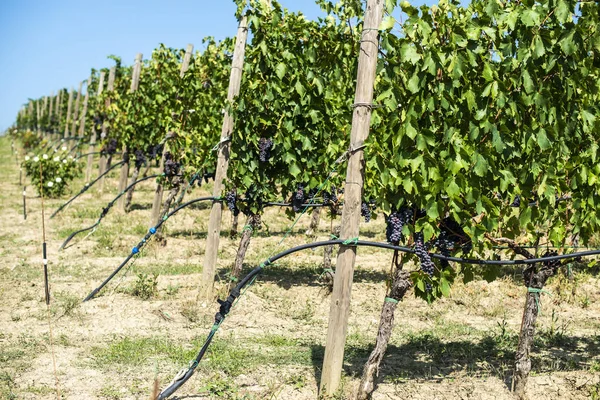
[(135, 250), (153, 230)]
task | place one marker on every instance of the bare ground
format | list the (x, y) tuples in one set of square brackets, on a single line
[(272, 345)]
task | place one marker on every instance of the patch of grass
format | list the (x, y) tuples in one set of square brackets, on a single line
[(109, 392), (172, 269), (189, 310), (67, 303), (145, 286), (7, 386)]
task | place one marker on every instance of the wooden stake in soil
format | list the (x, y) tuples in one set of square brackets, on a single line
[(90, 157), (158, 193), (69, 106), (24, 202), (47, 285), (84, 110), (214, 225), (75, 116), (125, 166), (104, 164), (361, 120)]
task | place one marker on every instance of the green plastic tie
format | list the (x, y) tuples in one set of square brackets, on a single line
[(333, 237), (165, 218), (233, 278), (569, 271), (266, 263), (538, 292), (390, 300), (247, 228), (350, 242)]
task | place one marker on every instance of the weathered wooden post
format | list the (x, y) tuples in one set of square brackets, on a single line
[(361, 120), (214, 225), (75, 116), (90, 157), (158, 193), (135, 79), (69, 106), (104, 158)]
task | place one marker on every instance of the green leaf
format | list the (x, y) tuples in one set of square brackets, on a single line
[(567, 44), (387, 23), (542, 140), (530, 17), (408, 52), (280, 70), (481, 166), (413, 83)]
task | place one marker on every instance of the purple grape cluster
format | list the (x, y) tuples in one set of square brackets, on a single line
[(516, 202), (171, 166), (330, 198), (231, 199), (111, 147), (365, 211), (264, 147), (395, 222), (140, 158), (298, 198), (427, 265)]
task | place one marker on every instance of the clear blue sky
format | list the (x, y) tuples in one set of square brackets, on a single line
[(47, 45)]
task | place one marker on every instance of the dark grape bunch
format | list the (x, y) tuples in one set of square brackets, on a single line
[(365, 211), (298, 198), (231, 199), (171, 166), (264, 147), (209, 175), (395, 222), (97, 123), (330, 198), (367, 208), (427, 264), (155, 151), (110, 148), (516, 202), (140, 158)]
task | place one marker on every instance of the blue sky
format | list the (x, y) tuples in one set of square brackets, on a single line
[(48, 45)]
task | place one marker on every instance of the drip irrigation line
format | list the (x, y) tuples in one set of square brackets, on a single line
[(226, 305), (87, 154), (105, 210), (86, 187), (135, 250)]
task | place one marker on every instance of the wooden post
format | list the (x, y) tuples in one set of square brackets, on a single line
[(158, 193), (58, 110), (104, 158), (69, 106), (90, 158), (75, 116), (361, 120), (135, 79), (84, 110), (38, 114), (51, 105), (214, 225)]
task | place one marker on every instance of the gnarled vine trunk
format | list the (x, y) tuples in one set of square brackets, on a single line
[(535, 281), (129, 195), (327, 253), (252, 223), (175, 186), (314, 221), (234, 226), (400, 285)]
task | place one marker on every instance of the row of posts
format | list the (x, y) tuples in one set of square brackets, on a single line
[(340, 300)]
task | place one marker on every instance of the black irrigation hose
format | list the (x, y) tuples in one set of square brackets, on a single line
[(87, 154), (105, 210), (141, 244), (85, 188), (225, 305)]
